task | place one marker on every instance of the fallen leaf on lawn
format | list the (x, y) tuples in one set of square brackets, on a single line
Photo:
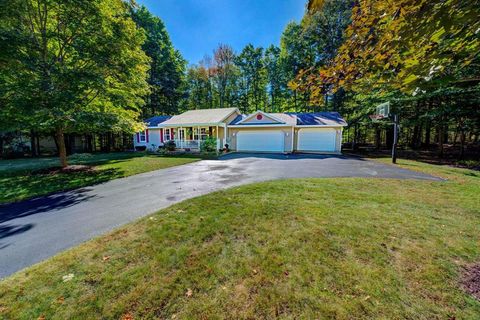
[(127, 316), (286, 273), (189, 293), (180, 210), (105, 258), (42, 317), (60, 299), (254, 271), (366, 298), (3, 309), (68, 277)]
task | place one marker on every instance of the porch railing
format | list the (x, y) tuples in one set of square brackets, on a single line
[(192, 144)]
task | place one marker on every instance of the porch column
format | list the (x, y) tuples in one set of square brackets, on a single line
[(224, 135), (198, 137), (180, 136), (216, 132)]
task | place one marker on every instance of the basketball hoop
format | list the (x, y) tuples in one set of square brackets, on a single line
[(383, 112)]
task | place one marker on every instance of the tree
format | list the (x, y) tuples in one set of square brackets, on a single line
[(253, 78), (199, 87), (296, 54), (423, 56), (72, 65), (405, 44), (277, 83), (167, 66), (224, 72)]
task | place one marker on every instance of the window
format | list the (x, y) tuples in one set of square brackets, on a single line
[(166, 135), (143, 136), (181, 134), (203, 134)]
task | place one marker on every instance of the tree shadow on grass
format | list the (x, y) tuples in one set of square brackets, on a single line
[(73, 186)]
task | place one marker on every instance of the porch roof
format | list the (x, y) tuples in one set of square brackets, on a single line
[(202, 117)]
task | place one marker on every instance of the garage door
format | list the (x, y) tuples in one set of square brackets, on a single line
[(317, 139), (270, 141)]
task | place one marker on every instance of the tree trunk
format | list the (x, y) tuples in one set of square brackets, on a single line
[(37, 141), (33, 145), (427, 134), (462, 144), (440, 140), (295, 99), (1, 146), (62, 151), (378, 137)]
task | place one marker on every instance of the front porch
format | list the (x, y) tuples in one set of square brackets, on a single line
[(190, 138)]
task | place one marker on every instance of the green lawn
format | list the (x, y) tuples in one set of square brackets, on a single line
[(18, 180), (351, 248)]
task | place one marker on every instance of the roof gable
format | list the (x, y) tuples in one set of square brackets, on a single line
[(261, 117)]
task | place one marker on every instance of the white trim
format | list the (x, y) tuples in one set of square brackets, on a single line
[(321, 126), (195, 124), (165, 134), (261, 126), (293, 138), (262, 113), (144, 133)]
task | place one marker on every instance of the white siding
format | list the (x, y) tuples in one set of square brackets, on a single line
[(153, 140)]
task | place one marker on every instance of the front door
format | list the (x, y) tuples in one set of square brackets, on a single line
[(181, 134)]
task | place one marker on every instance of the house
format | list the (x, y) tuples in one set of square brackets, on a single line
[(256, 132), (153, 136)]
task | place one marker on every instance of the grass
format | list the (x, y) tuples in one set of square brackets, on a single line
[(18, 180), (351, 248)]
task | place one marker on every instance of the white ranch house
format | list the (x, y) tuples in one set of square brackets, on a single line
[(257, 132)]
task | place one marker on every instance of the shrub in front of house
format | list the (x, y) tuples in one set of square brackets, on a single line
[(208, 145), (170, 145)]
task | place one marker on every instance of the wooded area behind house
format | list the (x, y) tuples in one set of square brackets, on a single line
[(97, 68)]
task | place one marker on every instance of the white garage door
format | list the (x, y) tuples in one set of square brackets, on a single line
[(318, 139), (270, 141)]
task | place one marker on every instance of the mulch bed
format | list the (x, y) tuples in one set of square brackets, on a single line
[(471, 280), (67, 169)]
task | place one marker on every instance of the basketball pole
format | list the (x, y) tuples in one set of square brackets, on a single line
[(395, 138)]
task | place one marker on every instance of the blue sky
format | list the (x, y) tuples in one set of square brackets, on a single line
[(196, 27)]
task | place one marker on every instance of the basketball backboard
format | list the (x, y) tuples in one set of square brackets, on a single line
[(383, 110)]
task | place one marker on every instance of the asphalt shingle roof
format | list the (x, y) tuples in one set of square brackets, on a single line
[(155, 121), (303, 119), (320, 118), (201, 116)]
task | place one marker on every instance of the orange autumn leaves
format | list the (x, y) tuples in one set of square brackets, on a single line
[(401, 44)]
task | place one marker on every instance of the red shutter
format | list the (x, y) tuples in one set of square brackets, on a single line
[(146, 135), (138, 137), (172, 134), (161, 135)]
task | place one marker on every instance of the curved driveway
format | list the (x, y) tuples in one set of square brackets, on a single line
[(33, 230)]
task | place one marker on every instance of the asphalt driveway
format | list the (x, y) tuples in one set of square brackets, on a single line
[(33, 230)]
